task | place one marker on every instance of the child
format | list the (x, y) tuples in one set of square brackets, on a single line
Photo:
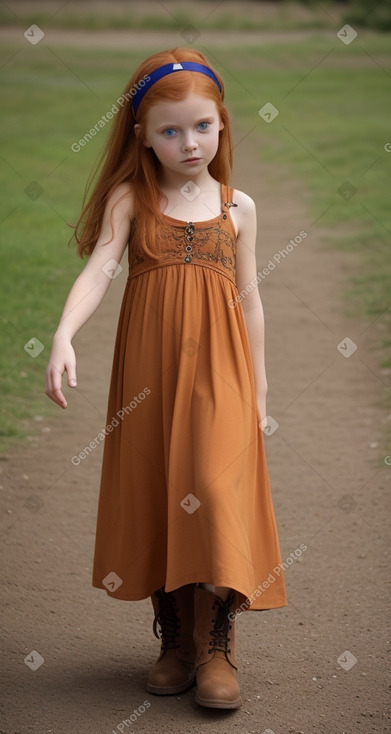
[(185, 512)]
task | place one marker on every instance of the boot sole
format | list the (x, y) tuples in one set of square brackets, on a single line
[(170, 690), (216, 703)]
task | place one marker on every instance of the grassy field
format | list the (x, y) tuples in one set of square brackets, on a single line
[(171, 15), (332, 127), (203, 15)]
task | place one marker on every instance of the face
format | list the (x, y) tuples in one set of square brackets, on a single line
[(184, 134)]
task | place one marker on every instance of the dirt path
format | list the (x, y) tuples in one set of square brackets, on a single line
[(329, 489)]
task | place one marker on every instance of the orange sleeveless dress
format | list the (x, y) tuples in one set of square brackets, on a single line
[(185, 494)]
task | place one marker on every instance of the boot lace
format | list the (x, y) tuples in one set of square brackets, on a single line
[(220, 631), (168, 620)]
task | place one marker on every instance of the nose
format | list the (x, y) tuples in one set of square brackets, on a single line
[(189, 143)]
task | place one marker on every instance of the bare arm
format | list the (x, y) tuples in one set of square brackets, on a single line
[(246, 271), (87, 292)]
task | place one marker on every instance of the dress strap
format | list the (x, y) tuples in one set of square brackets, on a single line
[(227, 193)]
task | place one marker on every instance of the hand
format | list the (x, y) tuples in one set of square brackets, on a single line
[(62, 358)]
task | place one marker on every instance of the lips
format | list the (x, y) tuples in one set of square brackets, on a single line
[(189, 160)]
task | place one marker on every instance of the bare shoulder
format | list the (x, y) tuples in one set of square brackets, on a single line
[(244, 201), (121, 200), (244, 213)]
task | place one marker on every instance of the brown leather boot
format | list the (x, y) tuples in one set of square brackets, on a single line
[(174, 671), (216, 665)]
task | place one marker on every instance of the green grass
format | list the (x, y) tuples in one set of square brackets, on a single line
[(176, 15), (173, 16), (331, 127)]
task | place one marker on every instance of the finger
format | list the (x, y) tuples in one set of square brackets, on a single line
[(71, 372), (53, 389), (59, 398)]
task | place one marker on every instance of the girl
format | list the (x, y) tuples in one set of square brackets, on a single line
[(185, 512)]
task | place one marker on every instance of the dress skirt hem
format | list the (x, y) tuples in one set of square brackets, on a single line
[(270, 602)]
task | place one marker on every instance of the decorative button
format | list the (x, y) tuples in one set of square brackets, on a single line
[(187, 259), (224, 216), (189, 237), (188, 248), (190, 228)]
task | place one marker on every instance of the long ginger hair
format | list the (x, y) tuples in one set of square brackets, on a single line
[(126, 159)]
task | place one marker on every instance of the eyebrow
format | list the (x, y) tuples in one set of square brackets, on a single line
[(205, 118)]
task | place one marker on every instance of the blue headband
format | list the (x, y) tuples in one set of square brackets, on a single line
[(162, 71)]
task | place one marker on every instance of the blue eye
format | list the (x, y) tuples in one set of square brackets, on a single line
[(203, 123), (168, 130)]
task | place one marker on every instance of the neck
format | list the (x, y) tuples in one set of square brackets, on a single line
[(173, 181)]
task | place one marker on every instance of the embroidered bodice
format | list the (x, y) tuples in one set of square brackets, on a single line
[(211, 243)]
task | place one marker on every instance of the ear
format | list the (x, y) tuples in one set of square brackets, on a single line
[(138, 131), (221, 126)]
